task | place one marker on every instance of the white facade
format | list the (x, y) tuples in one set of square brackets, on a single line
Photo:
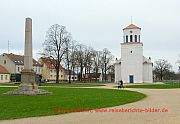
[(15, 63), (133, 67)]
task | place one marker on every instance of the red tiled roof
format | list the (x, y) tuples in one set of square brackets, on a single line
[(19, 60), (132, 26), (50, 63), (3, 70)]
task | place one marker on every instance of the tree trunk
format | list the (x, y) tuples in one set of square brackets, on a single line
[(96, 73), (81, 71), (105, 72), (102, 74), (161, 75), (85, 74), (57, 73), (69, 72), (73, 73), (69, 76)]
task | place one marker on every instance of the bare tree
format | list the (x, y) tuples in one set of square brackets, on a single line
[(107, 59), (161, 68), (69, 57), (88, 61), (80, 59), (97, 61), (55, 45)]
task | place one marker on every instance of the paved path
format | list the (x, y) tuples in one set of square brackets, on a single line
[(157, 98)]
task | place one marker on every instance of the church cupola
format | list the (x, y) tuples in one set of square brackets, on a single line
[(132, 34)]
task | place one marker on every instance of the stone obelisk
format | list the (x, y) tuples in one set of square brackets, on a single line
[(28, 60), (28, 85), (27, 74)]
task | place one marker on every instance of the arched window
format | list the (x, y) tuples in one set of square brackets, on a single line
[(131, 38), (126, 39), (139, 38), (135, 37)]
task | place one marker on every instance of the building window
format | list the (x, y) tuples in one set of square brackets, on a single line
[(135, 37), (18, 69), (51, 76), (131, 51), (139, 38), (131, 38), (54, 70), (6, 77), (1, 77), (61, 70), (61, 75), (51, 70), (4, 61), (21, 68), (126, 39)]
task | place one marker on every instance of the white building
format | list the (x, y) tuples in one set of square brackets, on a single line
[(15, 63), (4, 75), (74, 76), (133, 67)]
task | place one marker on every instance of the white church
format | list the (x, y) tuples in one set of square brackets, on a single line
[(133, 67)]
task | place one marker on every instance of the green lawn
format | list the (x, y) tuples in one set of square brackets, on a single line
[(8, 84), (156, 86), (62, 98), (74, 84), (65, 84)]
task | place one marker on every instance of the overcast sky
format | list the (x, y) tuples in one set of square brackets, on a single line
[(97, 23)]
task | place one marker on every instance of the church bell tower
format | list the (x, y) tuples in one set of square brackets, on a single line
[(132, 55)]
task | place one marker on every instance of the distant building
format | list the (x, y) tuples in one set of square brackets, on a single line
[(133, 67), (92, 76), (109, 77), (4, 75), (49, 70), (74, 76), (15, 64)]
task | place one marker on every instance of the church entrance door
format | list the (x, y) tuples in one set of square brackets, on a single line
[(131, 78)]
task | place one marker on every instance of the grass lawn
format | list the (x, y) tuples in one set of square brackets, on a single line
[(74, 84), (62, 98), (156, 86), (8, 84), (66, 84)]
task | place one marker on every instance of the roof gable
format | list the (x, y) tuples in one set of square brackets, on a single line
[(132, 26), (3, 70), (19, 59), (50, 63)]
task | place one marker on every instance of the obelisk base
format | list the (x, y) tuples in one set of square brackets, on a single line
[(28, 85)]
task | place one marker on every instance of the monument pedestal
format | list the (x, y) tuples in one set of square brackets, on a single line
[(28, 85), (28, 80)]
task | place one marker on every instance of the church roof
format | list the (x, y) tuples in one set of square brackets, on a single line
[(132, 26)]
